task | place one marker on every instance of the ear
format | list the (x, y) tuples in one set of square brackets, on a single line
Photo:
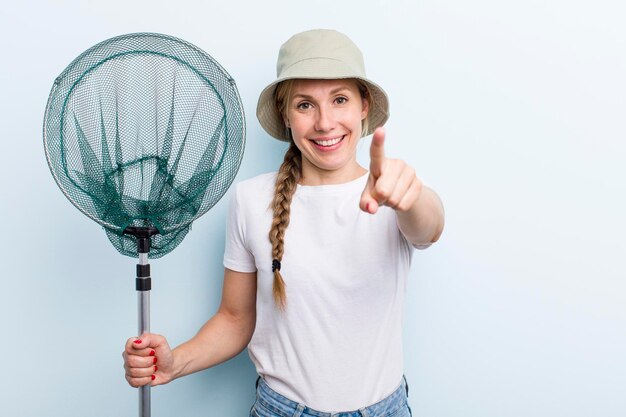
[(365, 108)]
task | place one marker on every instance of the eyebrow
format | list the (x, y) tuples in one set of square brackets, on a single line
[(333, 91)]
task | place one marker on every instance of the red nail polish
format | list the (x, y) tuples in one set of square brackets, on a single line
[(137, 342), (155, 368), (153, 377), (155, 360), (152, 353)]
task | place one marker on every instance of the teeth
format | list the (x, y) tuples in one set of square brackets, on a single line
[(329, 142)]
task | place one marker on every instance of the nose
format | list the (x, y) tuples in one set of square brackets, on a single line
[(325, 121)]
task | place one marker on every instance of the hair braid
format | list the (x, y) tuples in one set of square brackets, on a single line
[(286, 182)]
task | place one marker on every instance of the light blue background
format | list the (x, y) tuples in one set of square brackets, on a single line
[(513, 111)]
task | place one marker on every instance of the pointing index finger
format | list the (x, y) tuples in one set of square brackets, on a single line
[(377, 152)]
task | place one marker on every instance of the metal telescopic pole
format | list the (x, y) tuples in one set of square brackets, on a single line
[(143, 285), (143, 304)]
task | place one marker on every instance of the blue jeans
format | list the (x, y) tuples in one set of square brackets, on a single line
[(269, 403)]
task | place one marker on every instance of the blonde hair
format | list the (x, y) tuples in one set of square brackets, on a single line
[(287, 179)]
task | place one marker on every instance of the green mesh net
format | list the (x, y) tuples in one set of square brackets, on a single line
[(144, 130)]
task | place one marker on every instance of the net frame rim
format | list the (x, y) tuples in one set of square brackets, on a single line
[(240, 111)]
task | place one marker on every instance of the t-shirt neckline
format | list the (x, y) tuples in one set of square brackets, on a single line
[(356, 183)]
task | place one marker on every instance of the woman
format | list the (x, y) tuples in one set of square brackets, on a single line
[(319, 301)]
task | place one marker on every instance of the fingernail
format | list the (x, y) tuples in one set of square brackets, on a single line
[(152, 353), (137, 342), (153, 377), (155, 360), (155, 368), (367, 207)]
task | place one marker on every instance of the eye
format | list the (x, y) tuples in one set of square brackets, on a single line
[(305, 105), (341, 100)]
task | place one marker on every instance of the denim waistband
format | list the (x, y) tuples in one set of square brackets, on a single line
[(290, 408)]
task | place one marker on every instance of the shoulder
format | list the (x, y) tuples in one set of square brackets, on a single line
[(262, 181), (255, 186), (255, 191)]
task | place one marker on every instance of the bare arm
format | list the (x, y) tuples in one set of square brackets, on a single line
[(149, 359), (393, 183), (227, 333), (422, 223)]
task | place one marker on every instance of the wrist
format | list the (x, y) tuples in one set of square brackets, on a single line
[(179, 363)]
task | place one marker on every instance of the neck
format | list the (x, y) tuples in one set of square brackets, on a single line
[(312, 175)]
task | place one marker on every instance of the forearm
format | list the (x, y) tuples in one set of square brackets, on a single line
[(422, 224), (220, 339)]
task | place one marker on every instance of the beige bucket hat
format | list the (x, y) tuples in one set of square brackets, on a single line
[(319, 54)]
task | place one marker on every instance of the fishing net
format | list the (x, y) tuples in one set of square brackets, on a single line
[(144, 131)]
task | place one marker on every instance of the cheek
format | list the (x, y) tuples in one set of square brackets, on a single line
[(357, 118), (298, 133), (300, 124)]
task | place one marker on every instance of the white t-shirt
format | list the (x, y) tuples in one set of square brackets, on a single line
[(338, 345)]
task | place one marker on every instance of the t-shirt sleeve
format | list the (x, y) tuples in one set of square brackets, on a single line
[(237, 255)]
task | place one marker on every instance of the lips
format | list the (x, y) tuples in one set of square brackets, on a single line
[(327, 142)]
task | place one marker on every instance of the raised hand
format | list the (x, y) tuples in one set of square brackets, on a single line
[(391, 182), (148, 360)]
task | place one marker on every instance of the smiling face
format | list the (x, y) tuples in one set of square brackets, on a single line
[(325, 118)]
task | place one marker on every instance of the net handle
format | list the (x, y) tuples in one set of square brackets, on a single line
[(143, 285)]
